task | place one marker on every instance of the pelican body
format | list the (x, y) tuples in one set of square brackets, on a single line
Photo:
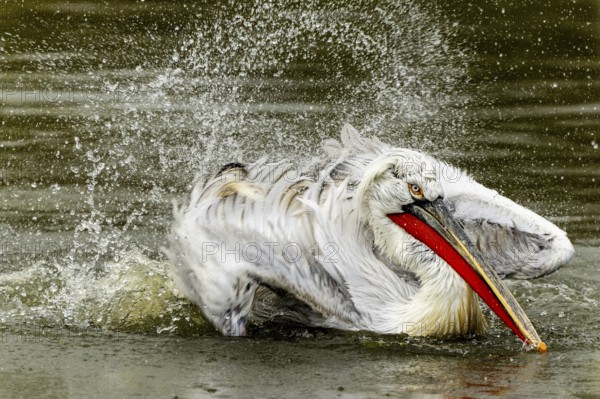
[(374, 238)]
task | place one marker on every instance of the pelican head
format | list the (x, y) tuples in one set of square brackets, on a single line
[(401, 198)]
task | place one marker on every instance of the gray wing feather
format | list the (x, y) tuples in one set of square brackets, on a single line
[(516, 241), (260, 211)]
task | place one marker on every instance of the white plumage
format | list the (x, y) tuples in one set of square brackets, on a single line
[(321, 250)]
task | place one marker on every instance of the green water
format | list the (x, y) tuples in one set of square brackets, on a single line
[(108, 111)]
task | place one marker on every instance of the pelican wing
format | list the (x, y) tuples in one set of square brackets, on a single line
[(516, 241), (255, 212)]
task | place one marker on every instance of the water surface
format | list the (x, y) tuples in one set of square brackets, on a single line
[(108, 111)]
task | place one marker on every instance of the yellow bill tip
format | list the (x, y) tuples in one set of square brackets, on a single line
[(542, 347)]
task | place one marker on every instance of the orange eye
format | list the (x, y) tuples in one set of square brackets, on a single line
[(415, 191)]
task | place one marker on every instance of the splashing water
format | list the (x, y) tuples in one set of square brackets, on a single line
[(242, 81), (109, 109)]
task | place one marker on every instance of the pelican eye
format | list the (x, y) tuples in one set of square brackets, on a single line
[(415, 191)]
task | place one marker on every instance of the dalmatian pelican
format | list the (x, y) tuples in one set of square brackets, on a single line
[(376, 238)]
